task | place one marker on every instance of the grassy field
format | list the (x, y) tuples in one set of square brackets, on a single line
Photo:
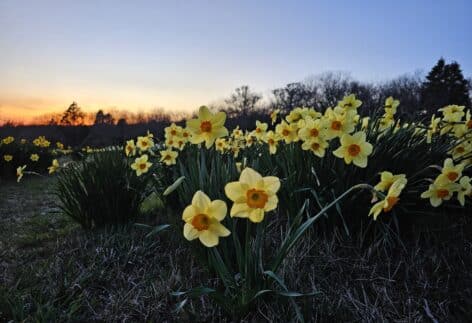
[(50, 270)]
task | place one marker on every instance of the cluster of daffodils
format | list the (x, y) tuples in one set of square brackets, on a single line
[(144, 145), (390, 188), (7, 140), (42, 142), (311, 128), (448, 182), (40, 149), (252, 196), (455, 122)]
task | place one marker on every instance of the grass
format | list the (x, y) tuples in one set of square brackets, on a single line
[(51, 271)]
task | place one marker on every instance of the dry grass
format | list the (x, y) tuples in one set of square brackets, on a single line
[(53, 271)]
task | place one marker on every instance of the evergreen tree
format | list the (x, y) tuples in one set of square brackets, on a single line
[(444, 85), (73, 116)]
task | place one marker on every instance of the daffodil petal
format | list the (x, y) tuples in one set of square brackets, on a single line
[(190, 233), (217, 210)]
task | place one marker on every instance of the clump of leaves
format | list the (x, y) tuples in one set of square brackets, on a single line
[(101, 190)]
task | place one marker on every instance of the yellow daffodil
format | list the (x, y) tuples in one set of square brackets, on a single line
[(144, 143), (221, 145), (8, 158), (8, 140), (312, 130), (19, 173), (59, 145), (461, 149), (41, 141), (390, 200), (452, 113), (354, 149), (54, 166), (337, 123), (202, 220), (317, 146), (172, 130), (169, 157), (130, 148), (287, 132), (253, 195), (272, 139), (273, 116), (350, 103), (237, 133), (207, 127), (141, 165), (249, 140), (34, 157), (260, 130), (465, 189), (391, 106), (439, 191), (295, 115), (450, 171), (386, 180)]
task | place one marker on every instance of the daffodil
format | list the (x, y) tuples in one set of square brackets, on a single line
[(461, 149), (272, 139), (202, 220), (237, 133), (141, 165), (130, 148), (273, 116), (317, 146), (354, 149), (8, 140), (452, 113), (312, 129), (221, 145), (169, 157), (450, 171), (207, 127), (465, 189), (144, 143), (59, 145), (260, 130), (54, 166), (287, 131), (34, 157), (8, 158), (19, 173), (337, 123), (249, 140), (172, 130), (386, 180), (391, 106), (350, 103), (253, 195), (391, 199), (439, 191)]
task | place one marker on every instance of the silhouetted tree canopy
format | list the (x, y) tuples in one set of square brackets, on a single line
[(242, 101), (73, 116), (101, 118), (444, 85)]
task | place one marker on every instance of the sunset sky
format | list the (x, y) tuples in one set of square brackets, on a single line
[(138, 55)]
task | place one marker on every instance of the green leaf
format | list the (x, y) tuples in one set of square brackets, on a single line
[(151, 203), (174, 186)]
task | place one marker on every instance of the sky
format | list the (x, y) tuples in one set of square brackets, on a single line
[(139, 55)]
